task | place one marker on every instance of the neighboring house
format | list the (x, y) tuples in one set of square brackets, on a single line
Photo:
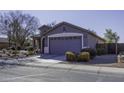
[(65, 37), (4, 43)]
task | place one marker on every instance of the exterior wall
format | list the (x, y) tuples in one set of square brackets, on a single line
[(85, 36), (92, 41), (88, 39), (46, 40), (46, 49), (67, 29), (4, 45), (100, 41), (37, 43)]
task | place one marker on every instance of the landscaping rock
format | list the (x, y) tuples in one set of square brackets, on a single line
[(120, 58)]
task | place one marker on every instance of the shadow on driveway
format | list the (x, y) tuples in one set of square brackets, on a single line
[(53, 57), (48, 56), (105, 59)]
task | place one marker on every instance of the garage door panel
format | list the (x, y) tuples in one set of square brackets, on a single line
[(59, 45)]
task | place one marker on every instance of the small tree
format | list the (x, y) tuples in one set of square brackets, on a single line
[(112, 37), (109, 36)]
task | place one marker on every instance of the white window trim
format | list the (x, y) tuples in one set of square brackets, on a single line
[(63, 35)]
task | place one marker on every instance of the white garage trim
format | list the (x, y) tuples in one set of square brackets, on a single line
[(64, 35)]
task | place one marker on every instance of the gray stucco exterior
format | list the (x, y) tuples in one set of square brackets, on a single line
[(67, 37)]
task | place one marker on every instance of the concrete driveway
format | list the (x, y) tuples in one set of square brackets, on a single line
[(49, 58)]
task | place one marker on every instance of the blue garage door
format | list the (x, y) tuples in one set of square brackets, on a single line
[(60, 45)]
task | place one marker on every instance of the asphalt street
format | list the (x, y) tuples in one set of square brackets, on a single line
[(15, 73)]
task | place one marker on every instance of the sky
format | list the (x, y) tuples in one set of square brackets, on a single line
[(97, 20)]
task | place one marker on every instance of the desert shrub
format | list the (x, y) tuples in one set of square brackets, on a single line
[(91, 51), (26, 54), (15, 52), (70, 56), (4, 51), (83, 56), (12, 48), (10, 51), (101, 51), (30, 53), (30, 48), (37, 51), (18, 48)]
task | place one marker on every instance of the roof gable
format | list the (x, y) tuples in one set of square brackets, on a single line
[(73, 26)]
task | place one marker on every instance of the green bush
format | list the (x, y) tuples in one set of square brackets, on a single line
[(12, 48), (91, 51), (15, 52), (70, 56), (30, 50), (4, 51), (83, 56), (18, 48), (30, 53), (101, 51), (10, 51)]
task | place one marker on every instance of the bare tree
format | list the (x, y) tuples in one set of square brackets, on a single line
[(18, 26), (52, 24)]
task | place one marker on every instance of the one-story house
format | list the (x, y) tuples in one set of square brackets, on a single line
[(4, 43), (64, 37)]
